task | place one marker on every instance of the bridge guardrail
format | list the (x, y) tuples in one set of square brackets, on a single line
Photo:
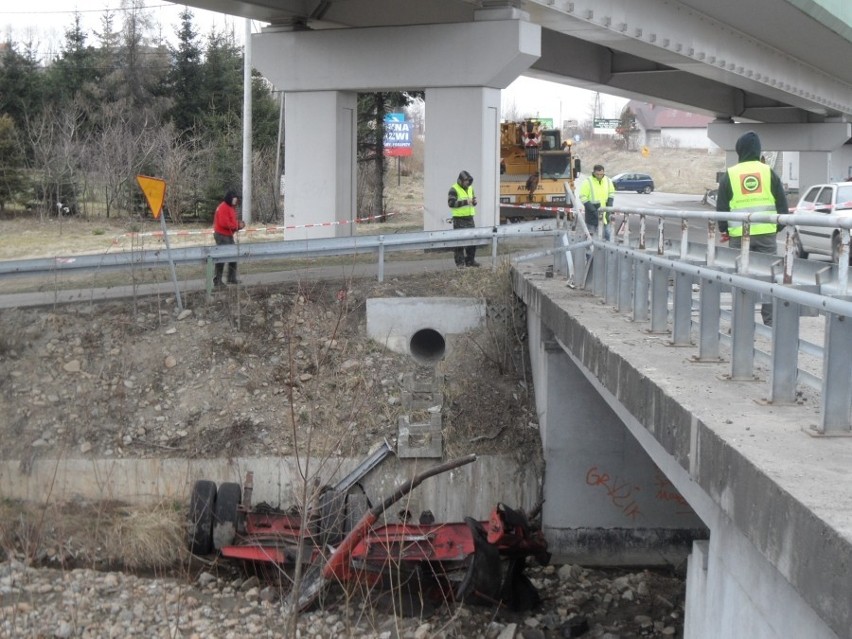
[(636, 279), (630, 276)]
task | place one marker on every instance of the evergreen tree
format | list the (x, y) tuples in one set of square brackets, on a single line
[(12, 181), (21, 85), (75, 76), (76, 71), (264, 113), (184, 82), (223, 77)]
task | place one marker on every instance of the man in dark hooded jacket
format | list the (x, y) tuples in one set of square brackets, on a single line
[(752, 186)]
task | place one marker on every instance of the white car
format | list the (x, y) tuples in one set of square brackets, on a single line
[(823, 199)]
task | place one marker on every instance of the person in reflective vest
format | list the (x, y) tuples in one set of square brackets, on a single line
[(462, 200), (597, 191), (751, 185)]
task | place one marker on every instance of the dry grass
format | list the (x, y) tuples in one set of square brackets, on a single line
[(93, 534), (674, 170)]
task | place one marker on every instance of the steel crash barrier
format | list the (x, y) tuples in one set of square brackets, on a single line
[(656, 275), (678, 286)]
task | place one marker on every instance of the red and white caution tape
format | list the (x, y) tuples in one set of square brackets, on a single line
[(256, 229), (538, 207)]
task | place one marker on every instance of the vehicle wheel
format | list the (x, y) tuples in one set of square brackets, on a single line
[(646, 190), (225, 513), (200, 528)]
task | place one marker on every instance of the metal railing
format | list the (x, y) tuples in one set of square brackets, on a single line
[(377, 245), (678, 286), (633, 273)]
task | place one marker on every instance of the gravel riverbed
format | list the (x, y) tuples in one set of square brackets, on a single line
[(577, 602)]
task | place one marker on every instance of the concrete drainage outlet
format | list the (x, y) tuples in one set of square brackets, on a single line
[(427, 346)]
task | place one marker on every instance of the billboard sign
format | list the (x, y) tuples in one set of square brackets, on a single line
[(606, 126), (397, 135)]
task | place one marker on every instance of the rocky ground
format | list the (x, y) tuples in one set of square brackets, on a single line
[(254, 370), (230, 376), (233, 375), (578, 602)]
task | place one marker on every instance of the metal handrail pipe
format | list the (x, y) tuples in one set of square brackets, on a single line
[(789, 294), (832, 220), (553, 251), (268, 250)]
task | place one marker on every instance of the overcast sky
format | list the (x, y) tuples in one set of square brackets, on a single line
[(44, 22)]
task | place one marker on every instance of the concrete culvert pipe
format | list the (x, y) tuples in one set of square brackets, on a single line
[(427, 346)]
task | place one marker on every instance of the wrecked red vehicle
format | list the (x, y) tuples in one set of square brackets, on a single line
[(341, 541)]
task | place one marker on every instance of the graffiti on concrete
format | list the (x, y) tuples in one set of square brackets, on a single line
[(620, 493)]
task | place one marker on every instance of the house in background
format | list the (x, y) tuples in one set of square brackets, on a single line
[(660, 127)]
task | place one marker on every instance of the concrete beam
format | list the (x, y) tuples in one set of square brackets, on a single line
[(462, 67), (826, 136), (490, 53), (678, 36)]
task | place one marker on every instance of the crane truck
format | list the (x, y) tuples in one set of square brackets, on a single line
[(537, 171)]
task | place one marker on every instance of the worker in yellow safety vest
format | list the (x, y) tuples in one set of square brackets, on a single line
[(461, 199), (597, 191), (752, 186)]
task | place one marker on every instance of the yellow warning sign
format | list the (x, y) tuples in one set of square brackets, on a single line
[(155, 192), (645, 151)]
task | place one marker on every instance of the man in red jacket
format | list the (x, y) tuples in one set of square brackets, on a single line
[(225, 224)]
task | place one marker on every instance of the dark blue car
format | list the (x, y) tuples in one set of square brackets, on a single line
[(639, 182)]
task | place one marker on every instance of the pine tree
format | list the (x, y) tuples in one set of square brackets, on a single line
[(184, 83)]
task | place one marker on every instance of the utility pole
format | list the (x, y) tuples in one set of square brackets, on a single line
[(247, 147)]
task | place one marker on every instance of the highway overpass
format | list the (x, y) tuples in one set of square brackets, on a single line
[(780, 67)]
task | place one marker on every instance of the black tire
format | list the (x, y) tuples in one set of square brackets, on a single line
[(225, 514), (200, 524), (647, 190)]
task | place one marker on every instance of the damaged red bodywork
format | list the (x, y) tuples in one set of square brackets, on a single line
[(342, 541)]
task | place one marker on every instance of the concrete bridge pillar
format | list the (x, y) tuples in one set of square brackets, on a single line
[(461, 67)]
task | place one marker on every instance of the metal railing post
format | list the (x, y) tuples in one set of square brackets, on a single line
[(494, 248), (742, 335), (599, 270), (836, 376), (659, 299), (381, 265), (708, 320), (843, 263), (785, 351), (209, 268), (625, 282), (682, 310), (641, 288), (611, 296)]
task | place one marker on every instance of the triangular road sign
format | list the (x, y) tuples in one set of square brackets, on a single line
[(155, 192)]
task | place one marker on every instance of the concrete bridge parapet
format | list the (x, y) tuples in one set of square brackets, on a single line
[(775, 501)]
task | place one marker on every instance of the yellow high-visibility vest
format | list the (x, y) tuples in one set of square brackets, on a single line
[(751, 185), (461, 194)]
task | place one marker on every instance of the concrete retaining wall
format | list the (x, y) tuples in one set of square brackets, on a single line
[(472, 490)]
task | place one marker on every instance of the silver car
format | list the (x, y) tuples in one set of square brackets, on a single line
[(823, 199)]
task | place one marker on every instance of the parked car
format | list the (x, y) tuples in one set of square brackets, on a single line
[(639, 182), (822, 199)]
